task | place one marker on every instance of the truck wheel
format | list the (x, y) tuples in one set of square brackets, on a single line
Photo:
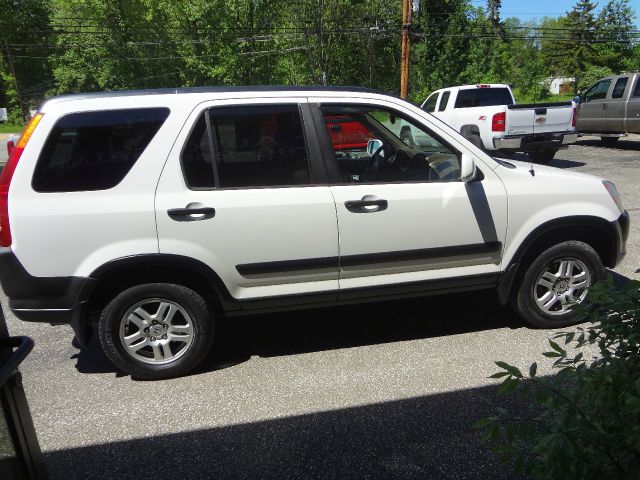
[(156, 330), (555, 282), (609, 141), (543, 156), (476, 140)]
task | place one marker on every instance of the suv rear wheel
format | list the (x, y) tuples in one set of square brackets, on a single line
[(156, 330), (557, 281)]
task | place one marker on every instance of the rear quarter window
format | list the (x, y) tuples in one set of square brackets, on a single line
[(95, 150)]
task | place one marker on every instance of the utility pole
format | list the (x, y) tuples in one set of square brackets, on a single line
[(407, 14), (15, 80)]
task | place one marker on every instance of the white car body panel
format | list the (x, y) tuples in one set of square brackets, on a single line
[(275, 224), (251, 225), (549, 194), (89, 216)]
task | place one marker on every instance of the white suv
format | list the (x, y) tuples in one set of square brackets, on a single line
[(158, 211)]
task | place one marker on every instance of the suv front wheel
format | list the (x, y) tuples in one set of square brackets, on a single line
[(556, 282), (156, 330)]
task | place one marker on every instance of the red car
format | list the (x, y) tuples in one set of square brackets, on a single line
[(11, 142), (346, 133)]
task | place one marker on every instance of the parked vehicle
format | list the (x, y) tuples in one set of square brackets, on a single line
[(610, 108), (347, 134), (157, 212), (487, 115), (11, 142), (3, 115)]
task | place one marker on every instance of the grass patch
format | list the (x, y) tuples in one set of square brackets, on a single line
[(10, 128)]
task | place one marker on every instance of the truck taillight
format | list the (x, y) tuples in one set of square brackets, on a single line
[(574, 118), (10, 146), (483, 85), (7, 175), (498, 122)]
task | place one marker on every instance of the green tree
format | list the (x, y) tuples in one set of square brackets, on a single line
[(25, 38), (578, 48), (493, 11), (615, 34)]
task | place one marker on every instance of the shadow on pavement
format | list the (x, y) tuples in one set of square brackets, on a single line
[(556, 162), (422, 438), (268, 335), (622, 144), (561, 163)]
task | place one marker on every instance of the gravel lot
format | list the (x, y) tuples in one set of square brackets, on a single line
[(378, 391)]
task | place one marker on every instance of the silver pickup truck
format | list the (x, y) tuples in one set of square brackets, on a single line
[(610, 108)]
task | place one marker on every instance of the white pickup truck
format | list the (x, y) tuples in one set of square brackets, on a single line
[(487, 115)]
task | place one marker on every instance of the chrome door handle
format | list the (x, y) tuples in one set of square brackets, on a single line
[(191, 213), (367, 204)]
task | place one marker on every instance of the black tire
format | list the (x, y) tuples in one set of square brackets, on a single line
[(609, 141), (528, 289), (193, 330), (543, 156), (476, 140)]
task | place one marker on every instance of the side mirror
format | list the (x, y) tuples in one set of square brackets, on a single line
[(577, 99), (467, 168), (373, 145)]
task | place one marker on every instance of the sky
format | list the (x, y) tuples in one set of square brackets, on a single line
[(527, 9)]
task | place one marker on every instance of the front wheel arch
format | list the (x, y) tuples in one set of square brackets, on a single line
[(596, 232)]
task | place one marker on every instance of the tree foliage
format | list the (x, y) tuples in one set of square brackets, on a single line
[(64, 46)]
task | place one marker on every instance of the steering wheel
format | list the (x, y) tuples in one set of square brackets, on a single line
[(377, 163)]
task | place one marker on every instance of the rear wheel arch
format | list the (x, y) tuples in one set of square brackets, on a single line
[(118, 275)]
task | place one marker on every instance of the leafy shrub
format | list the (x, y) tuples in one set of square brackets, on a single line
[(583, 422)]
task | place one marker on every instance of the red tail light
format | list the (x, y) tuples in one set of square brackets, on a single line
[(498, 122), (10, 146), (7, 175), (574, 118)]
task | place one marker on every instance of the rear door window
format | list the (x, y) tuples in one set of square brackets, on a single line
[(444, 100), (248, 147), (483, 97), (619, 88), (95, 150)]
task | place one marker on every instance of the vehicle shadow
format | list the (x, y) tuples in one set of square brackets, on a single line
[(562, 163), (426, 437), (556, 162), (289, 333), (622, 144)]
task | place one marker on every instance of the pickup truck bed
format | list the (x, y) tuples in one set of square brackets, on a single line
[(488, 116)]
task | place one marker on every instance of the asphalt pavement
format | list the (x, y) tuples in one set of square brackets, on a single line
[(385, 390)]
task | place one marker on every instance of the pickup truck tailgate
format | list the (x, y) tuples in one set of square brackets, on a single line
[(519, 121), (541, 118), (553, 119)]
